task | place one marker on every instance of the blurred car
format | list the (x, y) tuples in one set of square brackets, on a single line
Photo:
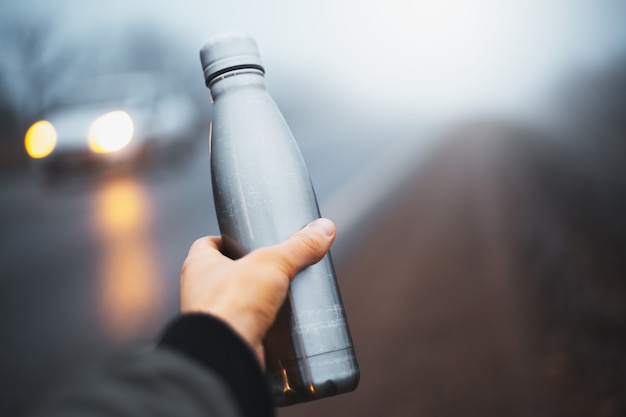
[(113, 120)]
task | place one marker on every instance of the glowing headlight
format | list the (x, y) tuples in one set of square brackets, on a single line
[(110, 132), (40, 139)]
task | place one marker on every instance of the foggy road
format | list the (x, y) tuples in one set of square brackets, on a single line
[(436, 270)]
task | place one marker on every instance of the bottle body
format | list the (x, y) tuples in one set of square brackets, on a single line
[(263, 195)]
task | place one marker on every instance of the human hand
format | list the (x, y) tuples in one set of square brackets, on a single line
[(247, 293)]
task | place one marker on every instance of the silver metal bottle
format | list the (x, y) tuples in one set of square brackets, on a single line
[(263, 195)]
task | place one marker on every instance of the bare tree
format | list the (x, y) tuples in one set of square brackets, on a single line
[(33, 61)]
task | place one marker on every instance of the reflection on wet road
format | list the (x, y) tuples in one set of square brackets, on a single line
[(129, 293), (90, 265)]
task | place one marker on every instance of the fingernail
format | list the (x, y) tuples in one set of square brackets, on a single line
[(324, 226)]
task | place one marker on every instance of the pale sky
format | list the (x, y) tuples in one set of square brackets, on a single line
[(440, 54)]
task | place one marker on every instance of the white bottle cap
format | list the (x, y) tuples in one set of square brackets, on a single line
[(229, 51)]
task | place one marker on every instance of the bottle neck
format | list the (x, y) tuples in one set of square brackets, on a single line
[(241, 78)]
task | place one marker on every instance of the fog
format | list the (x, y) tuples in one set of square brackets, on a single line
[(396, 57), (470, 153)]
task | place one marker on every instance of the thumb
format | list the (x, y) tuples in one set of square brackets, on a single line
[(305, 247)]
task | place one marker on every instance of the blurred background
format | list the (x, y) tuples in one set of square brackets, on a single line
[(470, 153)]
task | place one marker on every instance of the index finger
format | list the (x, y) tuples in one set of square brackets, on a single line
[(206, 245)]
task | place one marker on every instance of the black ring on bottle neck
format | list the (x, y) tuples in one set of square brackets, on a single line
[(234, 68)]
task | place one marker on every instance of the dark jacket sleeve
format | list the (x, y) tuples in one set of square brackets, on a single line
[(200, 368), (215, 345)]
